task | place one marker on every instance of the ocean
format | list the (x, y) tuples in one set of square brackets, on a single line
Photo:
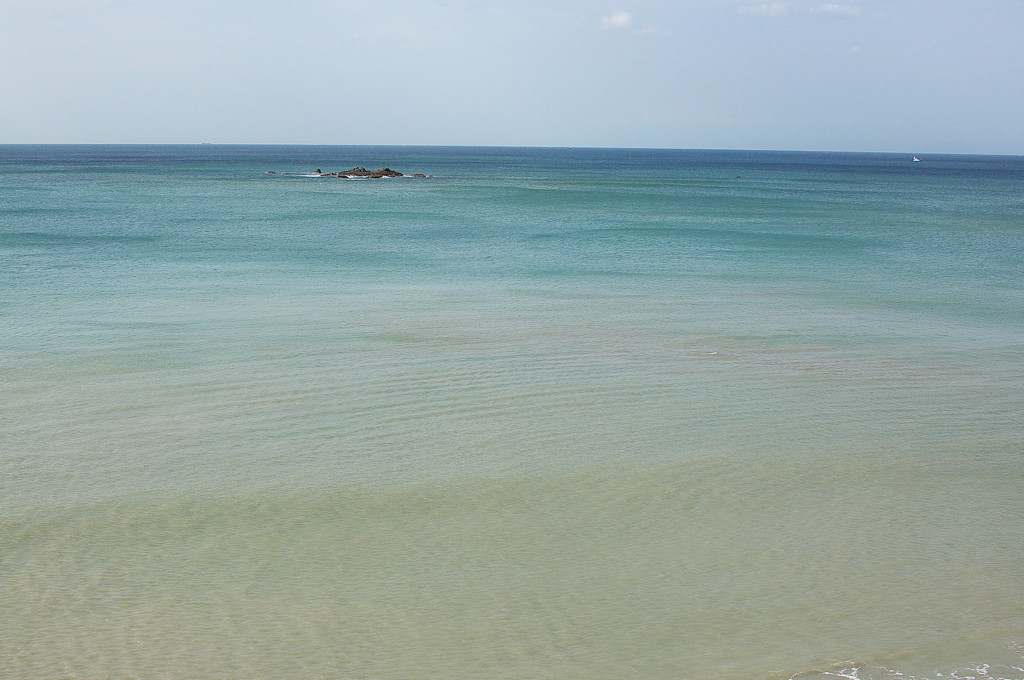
[(575, 414)]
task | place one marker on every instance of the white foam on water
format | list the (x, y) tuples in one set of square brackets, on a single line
[(921, 665)]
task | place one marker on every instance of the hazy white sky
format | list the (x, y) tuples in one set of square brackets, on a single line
[(863, 75)]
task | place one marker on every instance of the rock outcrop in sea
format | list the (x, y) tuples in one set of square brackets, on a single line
[(363, 172)]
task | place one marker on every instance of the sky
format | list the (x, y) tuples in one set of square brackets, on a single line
[(915, 76)]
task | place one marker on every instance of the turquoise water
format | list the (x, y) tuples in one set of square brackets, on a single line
[(545, 413)]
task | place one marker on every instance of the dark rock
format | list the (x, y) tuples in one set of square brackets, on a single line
[(362, 172)]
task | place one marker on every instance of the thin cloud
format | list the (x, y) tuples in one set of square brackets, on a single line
[(619, 19), (768, 9), (836, 10)]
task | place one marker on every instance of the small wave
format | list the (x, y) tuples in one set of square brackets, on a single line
[(41, 239), (974, 671)]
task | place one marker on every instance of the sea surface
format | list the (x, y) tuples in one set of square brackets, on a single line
[(575, 414)]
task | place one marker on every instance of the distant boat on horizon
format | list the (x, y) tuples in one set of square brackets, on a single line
[(916, 159)]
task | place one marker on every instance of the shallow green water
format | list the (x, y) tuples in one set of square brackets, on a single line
[(546, 413)]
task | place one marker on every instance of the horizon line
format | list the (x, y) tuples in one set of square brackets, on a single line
[(514, 146)]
